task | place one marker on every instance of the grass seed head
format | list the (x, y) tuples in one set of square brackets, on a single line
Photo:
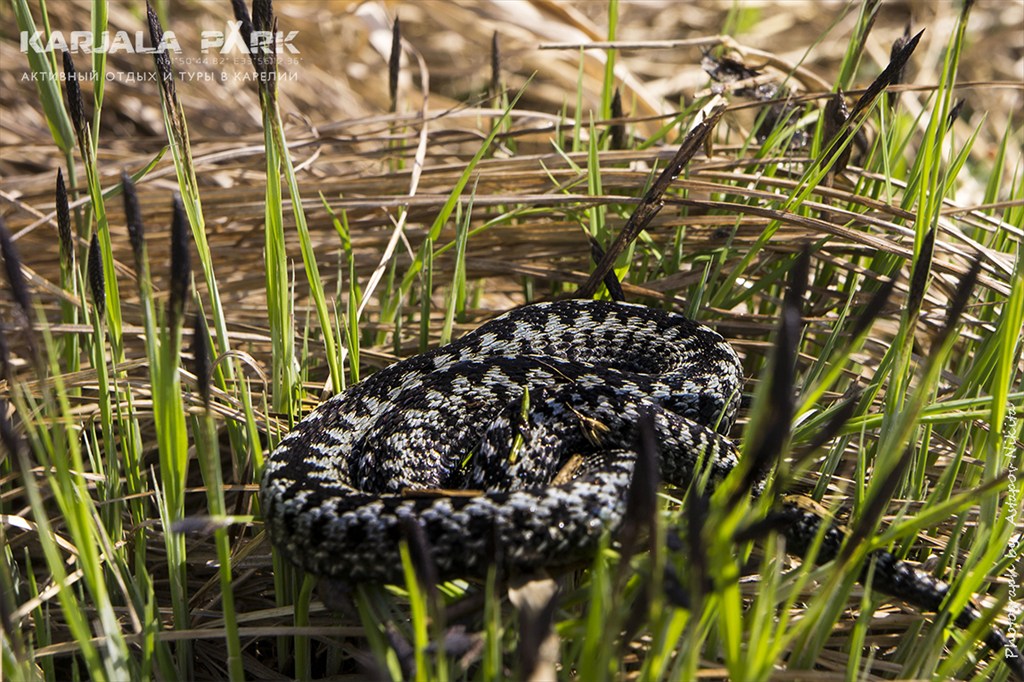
[(263, 47), (201, 358), (67, 244), (840, 416), (774, 429), (94, 268), (8, 436), (954, 113), (12, 264), (958, 303), (495, 65), (873, 308), (162, 58), (6, 370), (246, 28), (919, 276), (421, 554), (641, 500), (898, 74), (618, 130), (395, 62), (133, 216), (181, 265), (263, 15), (891, 74), (76, 108), (242, 14)]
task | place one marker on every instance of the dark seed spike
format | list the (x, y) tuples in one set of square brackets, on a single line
[(877, 504), (263, 15), (772, 440), (8, 436), (651, 203), (643, 490), (264, 53), (954, 113), (269, 81), (6, 370), (958, 303), (163, 60), (888, 76), (697, 509), (67, 243), (15, 277), (798, 277), (201, 358), (181, 266), (873, 308), (790, 329), (94, 269), (919, 277), (262, 49), (675, 593), (76, 108), (900, 42), (20, 293), (241, 13), (495, 66), (641, 498), (618, 130), (639, 613), (871, 11), (421, 556), (395, 62), (784, 369), (899, 74), (843, 414), (773, 523), (611, 281), (133, 216)]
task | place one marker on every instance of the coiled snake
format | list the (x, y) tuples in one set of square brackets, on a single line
[(501, 412), (335, 490)]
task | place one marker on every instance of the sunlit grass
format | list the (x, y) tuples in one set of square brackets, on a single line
[(135, 435)]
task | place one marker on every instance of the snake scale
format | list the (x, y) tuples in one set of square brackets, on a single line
[(498, 415)]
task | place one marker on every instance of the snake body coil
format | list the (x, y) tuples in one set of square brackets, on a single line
[(501, 411), (472, 442)]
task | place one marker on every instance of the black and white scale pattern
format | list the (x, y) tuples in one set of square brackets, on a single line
[(501, 411)]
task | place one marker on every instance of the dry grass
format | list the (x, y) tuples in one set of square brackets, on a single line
[(360, 157)]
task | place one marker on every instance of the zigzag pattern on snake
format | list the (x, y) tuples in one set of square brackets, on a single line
[(502, 411)]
